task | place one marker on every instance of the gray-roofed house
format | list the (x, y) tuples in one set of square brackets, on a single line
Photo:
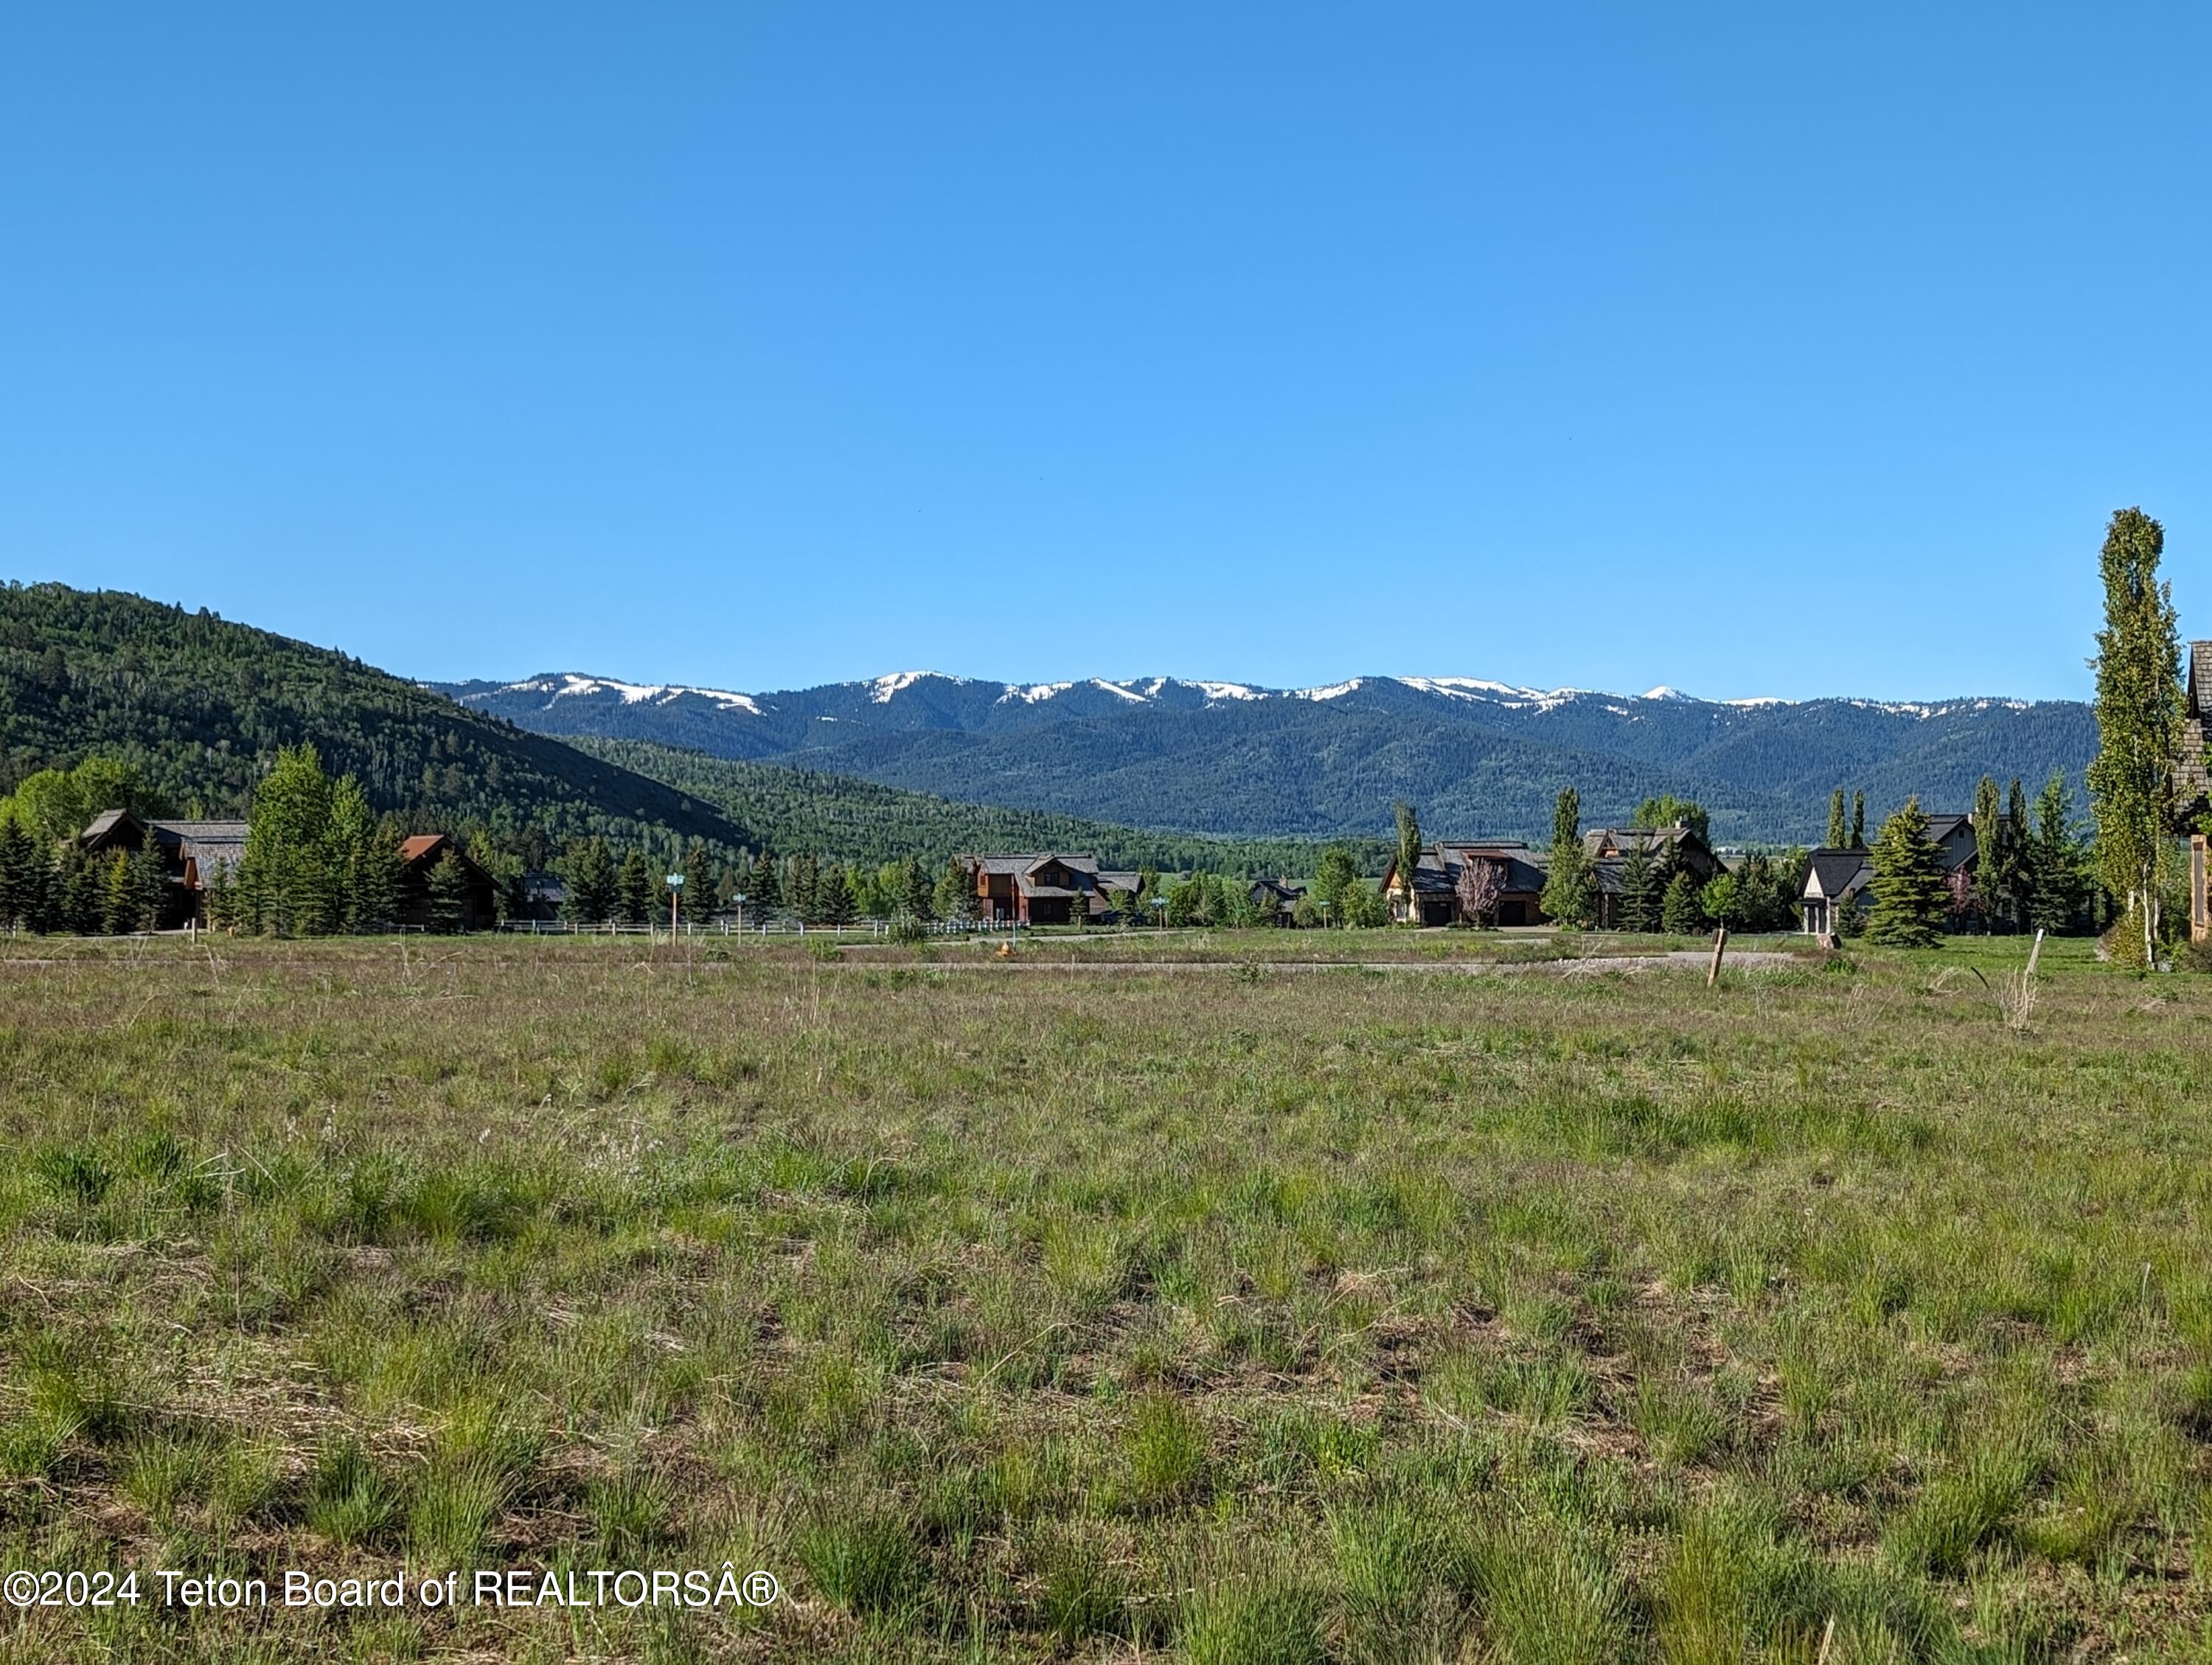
[(1836, 879), (192, 852), (1434, 899), (1038, 889), (1281, 894), (1669, 849)]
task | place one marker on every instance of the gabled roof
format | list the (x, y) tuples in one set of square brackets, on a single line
[(1599, 840), (1029, 863), (1523, 868), (413, 850), (1837, 873), (106, 822)]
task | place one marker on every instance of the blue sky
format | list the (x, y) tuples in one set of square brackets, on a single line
[(1751, 349)]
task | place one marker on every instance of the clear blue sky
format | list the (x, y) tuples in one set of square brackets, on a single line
[(1757, 350)]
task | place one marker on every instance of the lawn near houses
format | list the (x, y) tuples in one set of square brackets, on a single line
[(1266, 1314)]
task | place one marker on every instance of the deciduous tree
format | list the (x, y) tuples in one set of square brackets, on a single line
[(2139, 711), (1569, 895)]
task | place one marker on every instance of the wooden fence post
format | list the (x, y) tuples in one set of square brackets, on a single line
[(1720, 946)]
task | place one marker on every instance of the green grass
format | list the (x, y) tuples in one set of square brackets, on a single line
[(1214, 1303)]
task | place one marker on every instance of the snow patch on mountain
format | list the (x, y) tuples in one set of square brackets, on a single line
[(885, 687)]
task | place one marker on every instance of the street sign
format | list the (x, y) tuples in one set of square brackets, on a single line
[(675, 881)]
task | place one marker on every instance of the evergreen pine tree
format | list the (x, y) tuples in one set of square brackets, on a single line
[(1681, 910), (921, 898), (1837, 832), (956, 892), (79, 898), (2139, 710), (636, 901), (1858, 821), (118, 901), (590, 879), (1641, 891), (834, 903), (798, 887), (1569, 895), (22, 886), (764, 893), (703, 888), (448, 888), (2054, 862), (1910, 896)]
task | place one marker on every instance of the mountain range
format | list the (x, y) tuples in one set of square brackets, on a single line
[(201, 706), (1478, 757)]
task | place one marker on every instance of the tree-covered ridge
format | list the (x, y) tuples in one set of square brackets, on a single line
[(202, 707), (1229, 761), (857, 821)]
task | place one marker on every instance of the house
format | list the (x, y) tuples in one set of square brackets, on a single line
[(1280, 893), (1839, 879), (1043, 889), (1669, 849), (2192, 778), (192, 854), (2193, 786), (417, 856), (1433, 898), (542, 897)]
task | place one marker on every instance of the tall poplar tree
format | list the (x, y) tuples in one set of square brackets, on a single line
[(1837, 832), (1988, 853), (2139, 711), (1858, 821), (1409, 857), (1569, 895)]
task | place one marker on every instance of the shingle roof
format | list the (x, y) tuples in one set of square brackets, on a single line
[(1837, 873), (1030, 862), (1523, 867)]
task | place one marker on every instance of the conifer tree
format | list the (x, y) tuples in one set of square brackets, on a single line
[(702, 893), (1570, 897), (2054, 862), (764, 892), (2139, 711), (590, 879), (636, 900), (833, 896), (1910, 897), (1681, 911), (921, 898), (448, 887), (799, 886), (956, 892), (1641, 890), (1858, 821), (1837, 832), (23, 876)]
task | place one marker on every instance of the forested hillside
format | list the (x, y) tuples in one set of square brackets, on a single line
[(201, 705), (1224, 758), (858, 821)]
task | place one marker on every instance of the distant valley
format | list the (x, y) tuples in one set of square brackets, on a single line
[(1478, 757)]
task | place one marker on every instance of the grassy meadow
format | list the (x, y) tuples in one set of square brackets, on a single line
[(1212, 1310)]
